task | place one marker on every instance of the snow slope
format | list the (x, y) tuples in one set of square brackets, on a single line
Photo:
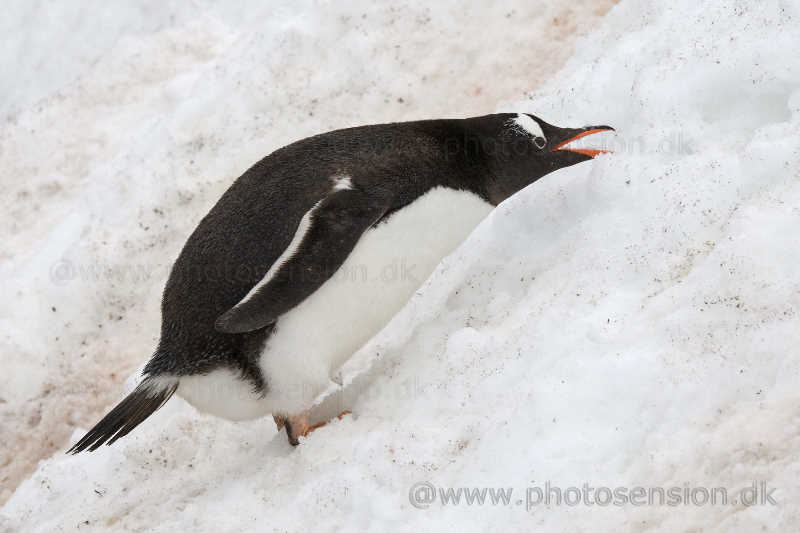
[(627, 322), (121, 126)]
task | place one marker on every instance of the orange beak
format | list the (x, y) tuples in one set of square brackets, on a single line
[(590, 152)]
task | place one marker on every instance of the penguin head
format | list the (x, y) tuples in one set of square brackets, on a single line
[(524, 148)]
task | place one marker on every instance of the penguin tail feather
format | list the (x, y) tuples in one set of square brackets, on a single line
[(142, 402)]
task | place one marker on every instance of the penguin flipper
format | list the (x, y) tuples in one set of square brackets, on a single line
[(333, 227)]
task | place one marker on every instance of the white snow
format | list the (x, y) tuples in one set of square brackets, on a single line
[(121, 126), (632, 321)]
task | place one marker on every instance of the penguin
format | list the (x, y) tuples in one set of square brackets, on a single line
[(314, 249)]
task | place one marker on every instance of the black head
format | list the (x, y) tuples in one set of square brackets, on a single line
[(522, 148)]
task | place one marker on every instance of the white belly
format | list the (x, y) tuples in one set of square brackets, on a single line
[(314, 339)]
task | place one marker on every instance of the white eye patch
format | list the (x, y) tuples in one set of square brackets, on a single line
[(528, 125)]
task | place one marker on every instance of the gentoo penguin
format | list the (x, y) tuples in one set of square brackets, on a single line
[(313, 250)]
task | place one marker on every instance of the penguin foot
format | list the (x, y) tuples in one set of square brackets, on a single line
[(338, 417), (299, 426)]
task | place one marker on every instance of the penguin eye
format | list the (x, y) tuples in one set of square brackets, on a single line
[(540, 142)]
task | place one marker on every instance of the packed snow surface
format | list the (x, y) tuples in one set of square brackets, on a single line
[(627, 322), (122, 125)]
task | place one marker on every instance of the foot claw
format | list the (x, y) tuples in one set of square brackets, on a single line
[(298, 426)]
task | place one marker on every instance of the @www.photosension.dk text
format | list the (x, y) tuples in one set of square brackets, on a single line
[(423, 495)]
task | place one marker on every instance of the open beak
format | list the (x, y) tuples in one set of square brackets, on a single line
[(579, 134)]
